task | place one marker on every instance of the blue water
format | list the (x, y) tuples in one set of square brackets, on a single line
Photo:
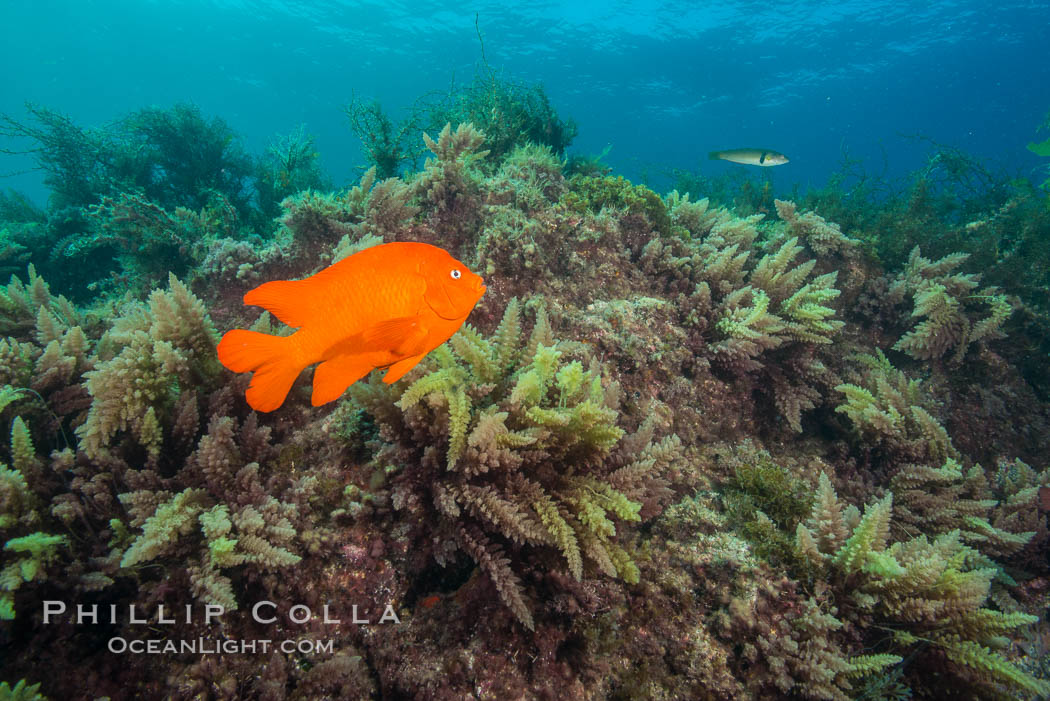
[(662, 83)]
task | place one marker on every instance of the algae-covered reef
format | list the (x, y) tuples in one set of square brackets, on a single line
[(677, 453)]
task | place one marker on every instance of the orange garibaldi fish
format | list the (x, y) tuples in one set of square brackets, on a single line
[(383, 307)]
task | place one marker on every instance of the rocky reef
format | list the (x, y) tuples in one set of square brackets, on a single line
[(680, 451)]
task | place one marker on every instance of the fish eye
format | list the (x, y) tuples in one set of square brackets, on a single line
[(456, 274)]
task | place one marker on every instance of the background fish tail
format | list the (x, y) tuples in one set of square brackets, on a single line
[(271, 359)]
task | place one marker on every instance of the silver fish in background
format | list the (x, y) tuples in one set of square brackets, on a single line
[(750, 156)]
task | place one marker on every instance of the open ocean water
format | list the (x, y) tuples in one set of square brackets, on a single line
[(660, 83)]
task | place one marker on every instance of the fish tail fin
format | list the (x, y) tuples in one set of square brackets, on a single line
[(713, 155), (269, 357)]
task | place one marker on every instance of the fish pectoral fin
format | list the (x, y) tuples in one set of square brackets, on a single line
[(401, 336), (401, 367), (332, 377)]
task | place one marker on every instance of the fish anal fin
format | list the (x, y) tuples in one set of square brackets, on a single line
[(401, 367), (332, 377), (288, 300)]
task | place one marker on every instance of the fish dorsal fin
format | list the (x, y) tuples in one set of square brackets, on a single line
[(288, 300)]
